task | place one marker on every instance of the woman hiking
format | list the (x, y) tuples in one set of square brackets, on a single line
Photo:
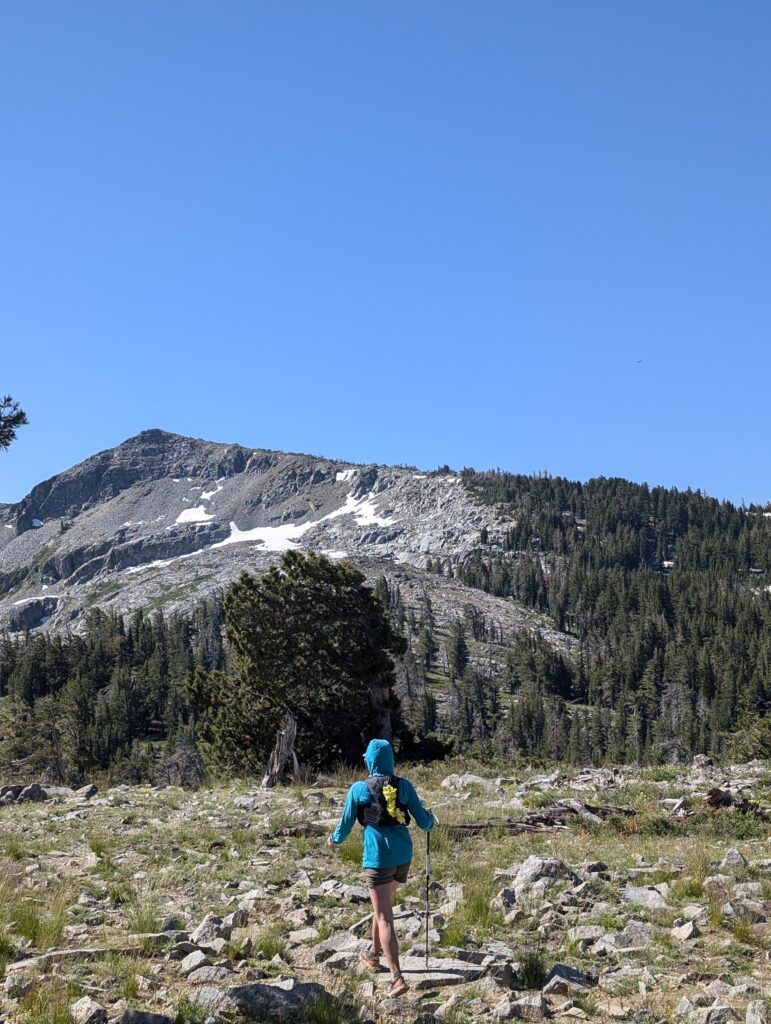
[(383, 805)]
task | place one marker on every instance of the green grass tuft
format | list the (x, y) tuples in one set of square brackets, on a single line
[(40, 922), (142, 918), (13, 848), (189, 1012), (474, 915), (271, 942), (7, 950), (97, 844), (47, 1003), (533, 968)]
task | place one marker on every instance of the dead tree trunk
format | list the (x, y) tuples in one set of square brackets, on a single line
[(282, 752)]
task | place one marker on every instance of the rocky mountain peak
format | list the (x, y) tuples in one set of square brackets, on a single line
[(150, 455), (162, 519)]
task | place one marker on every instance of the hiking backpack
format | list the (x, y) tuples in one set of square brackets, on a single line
[(384, 807)]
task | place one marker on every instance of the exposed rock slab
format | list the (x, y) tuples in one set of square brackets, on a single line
[(440, 972)]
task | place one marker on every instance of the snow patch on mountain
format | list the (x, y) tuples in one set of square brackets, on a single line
[(362, 509), (287, 536), (159, 563), (207, 495), (273, 538), (194, 515)]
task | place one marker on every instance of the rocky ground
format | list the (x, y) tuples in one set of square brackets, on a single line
[(154, 906)]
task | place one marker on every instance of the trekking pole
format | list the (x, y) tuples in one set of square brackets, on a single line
[(428, 880)]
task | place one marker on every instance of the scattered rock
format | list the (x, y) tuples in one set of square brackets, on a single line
[(466, 781), (17, 985), (538, 873), (143, 1017), (545, 900), (636, 936), (530, 1007), (208, 975), (87, 1011), (193, 961), (714, 882), (303, 936), (503, 900), (757, 1012), (260, 1001), (34, 793), (447, 1008), (59, 792), (595, 867), (172, 922), (440, 973), (685, 1007), (702, 761), (733, 861), (749, 890), (644, 896), (355, 894), (341, 942), (238, 919), (584, 935), (685, 932), (718, 1013), (694, 912), (533, 1007), (620, 981), (503, 973), (245, 803), (210, 929), (505, 1010), (564, 981)]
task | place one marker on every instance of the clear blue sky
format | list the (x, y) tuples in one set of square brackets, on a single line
[(426, 233)]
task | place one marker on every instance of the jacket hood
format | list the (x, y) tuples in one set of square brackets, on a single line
[(379, 758)]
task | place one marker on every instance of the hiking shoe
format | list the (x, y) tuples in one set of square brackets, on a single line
[(371, 960), (398, 987)]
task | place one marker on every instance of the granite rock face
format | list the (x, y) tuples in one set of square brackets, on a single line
[(165, 519)]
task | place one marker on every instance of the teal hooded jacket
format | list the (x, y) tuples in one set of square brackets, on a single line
[(385, 846)]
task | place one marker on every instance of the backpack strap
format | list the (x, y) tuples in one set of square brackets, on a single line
[(377, 811)]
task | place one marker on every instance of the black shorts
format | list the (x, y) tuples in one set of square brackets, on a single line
[(382, 876)]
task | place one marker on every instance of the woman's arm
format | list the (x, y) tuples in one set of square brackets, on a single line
[(423, 819), (347, 820)]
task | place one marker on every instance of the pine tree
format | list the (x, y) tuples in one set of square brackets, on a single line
[(12, 416), (311, 640), (457, 650)]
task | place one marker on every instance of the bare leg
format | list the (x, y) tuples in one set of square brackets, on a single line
[(383, 925), (377, 945), (376, 948)]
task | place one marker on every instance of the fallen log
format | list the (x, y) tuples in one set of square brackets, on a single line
[(723, 799), (510, 826), (299, 828), (545, 819), (716, 798)]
